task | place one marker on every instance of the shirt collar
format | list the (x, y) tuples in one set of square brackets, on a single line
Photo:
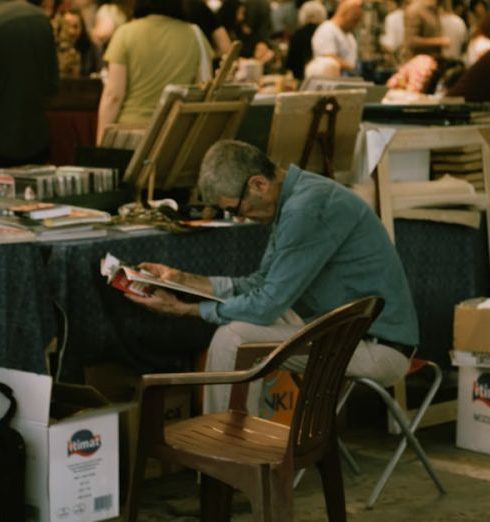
[(292, 175)]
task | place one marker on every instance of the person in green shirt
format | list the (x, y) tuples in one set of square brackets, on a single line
[(151, 51), (326, 248)]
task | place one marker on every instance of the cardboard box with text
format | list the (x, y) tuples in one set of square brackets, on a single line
[(71, 437)]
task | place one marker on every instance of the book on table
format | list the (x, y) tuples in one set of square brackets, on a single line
[(12, 233), (131, 280), (16, 228), (78, 216), (40, 209)]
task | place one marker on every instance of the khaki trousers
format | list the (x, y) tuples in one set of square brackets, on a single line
[(370, 359)]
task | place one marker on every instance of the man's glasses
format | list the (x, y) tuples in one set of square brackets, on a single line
[(235, 211)]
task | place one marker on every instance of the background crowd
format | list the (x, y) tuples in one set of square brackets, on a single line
[(138, 47), (371, 38)]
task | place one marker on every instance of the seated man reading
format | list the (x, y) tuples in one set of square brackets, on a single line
[(326, 248)]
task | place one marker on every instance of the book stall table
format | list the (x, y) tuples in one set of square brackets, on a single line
[(27, 316), (103, 324), (445, 264)]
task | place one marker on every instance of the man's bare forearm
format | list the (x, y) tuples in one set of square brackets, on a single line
[(198, 282)]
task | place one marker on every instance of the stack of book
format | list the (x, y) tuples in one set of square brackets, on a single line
[(47, 181), (49, 221), (462, 162), (117, 136), (11, 232)]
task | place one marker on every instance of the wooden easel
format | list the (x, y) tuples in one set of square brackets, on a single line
[(328, 107), (306, 127), (186, 124)]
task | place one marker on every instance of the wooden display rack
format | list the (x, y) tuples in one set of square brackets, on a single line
[(423, 138), (332, 142)]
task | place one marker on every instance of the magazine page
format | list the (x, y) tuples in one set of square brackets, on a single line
[(140, 282)]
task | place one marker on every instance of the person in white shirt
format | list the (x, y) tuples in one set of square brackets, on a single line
[(455, 29), (394, 28), (334, 38)]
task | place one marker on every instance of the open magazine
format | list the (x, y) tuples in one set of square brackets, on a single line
[(139, 282)]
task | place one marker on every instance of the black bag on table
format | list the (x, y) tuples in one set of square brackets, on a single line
[(12, 465)]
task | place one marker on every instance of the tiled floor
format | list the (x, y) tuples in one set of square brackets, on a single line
[(410, 495)]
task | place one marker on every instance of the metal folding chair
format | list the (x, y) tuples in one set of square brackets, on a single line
[(407, 426)]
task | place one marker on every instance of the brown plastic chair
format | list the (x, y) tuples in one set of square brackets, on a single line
[(234, 450)]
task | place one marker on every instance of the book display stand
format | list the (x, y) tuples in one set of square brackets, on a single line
[(319, 142), (437, 139)]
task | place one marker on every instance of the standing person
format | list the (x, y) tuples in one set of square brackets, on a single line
[(394, 28), (326, 248), (454, 27), (153, 50), (311, 14), (77, 55), (197, 12), (258, 19), (423, 33), (476, 13), (334, 38), (29, 75)]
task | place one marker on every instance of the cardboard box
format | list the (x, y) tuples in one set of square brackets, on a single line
[(472, 326), (278, 399), (473, 422), (71, 437)]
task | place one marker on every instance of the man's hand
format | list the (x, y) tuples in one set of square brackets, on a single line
[(162, 302), (163, 272)]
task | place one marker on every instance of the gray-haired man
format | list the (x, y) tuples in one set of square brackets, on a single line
[(326, 248)]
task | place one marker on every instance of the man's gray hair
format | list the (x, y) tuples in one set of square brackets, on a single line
[(227, 166), (312, 12)]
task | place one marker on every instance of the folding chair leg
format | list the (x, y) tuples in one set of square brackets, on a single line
[(346, 454), (297, 477), (408, 430)]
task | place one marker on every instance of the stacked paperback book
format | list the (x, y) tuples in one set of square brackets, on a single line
[(48, 181), (461, 162), (41, 221)]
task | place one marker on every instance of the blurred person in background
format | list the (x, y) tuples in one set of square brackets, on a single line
[(153, 50), (324, 66), (29, 75), (311, 14), (334, 38), (233, 15), (88, 10), (476, 13), (423, 33), (393, 28), (284, 18), (77, 55), (258, 19), (479, 42), (454, 28), (107, 19), (197, 12)]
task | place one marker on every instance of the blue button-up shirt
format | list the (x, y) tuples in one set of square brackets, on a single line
[(327, 248)]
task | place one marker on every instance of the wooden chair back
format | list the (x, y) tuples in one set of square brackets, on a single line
[(236, 450)]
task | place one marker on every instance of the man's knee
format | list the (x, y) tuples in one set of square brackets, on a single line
[(224, 345)]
